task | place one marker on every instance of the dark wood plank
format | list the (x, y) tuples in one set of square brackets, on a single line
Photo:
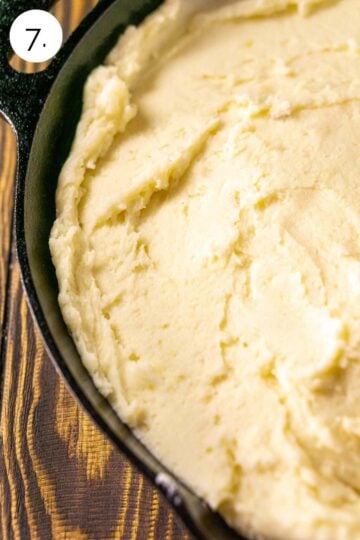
[(7, 167), (59, 476)]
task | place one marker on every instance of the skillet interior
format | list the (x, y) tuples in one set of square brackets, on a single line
[(35, 213)]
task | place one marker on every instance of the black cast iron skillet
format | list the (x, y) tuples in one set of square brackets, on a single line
[(44, 109)]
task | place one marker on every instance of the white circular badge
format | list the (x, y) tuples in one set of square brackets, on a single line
[(36, 36)]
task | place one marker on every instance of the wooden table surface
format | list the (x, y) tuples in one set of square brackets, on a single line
[(59, 476)]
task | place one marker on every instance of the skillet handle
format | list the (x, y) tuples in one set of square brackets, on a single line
[(21, 95)]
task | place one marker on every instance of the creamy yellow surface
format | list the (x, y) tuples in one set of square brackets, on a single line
[(207, 248)]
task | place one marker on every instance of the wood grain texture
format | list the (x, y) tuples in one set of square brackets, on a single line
[(59, 476), (7, 169)]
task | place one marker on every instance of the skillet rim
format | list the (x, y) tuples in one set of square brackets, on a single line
[(56, 356)]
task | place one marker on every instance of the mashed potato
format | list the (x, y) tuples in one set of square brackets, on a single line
[(207, 247)]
